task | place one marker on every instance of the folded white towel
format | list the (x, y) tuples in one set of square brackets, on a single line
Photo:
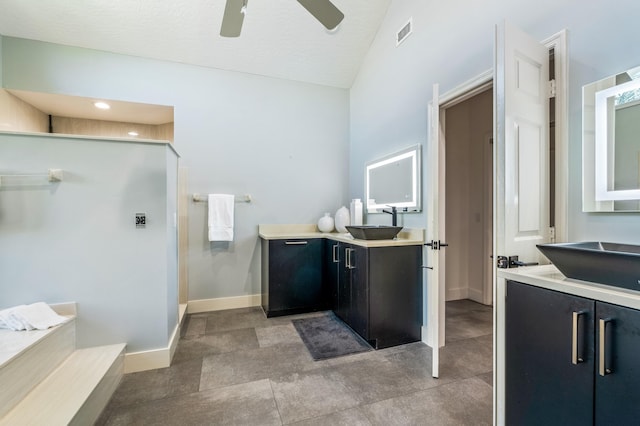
[(8, 319), (28, 317), (221, 217)]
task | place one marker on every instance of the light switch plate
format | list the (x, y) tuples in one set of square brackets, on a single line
[(141, 220)]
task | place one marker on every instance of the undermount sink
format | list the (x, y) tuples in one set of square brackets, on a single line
[(373, 232), (599, 262)]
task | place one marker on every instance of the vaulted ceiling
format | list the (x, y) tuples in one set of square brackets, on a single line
[(279, 37)]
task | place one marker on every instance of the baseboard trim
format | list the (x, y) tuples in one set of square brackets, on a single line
[(175, 338), (155, 358), (475, 295), (146, 360), (457, 294), (222, 303), (161, 358)]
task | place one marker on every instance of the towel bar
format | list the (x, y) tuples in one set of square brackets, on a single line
[(52, 175), (199, 198)]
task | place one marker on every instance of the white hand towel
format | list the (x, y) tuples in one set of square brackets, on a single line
[(221, 217)]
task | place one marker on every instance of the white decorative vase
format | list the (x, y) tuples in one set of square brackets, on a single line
[(342, 219), (325, 223)]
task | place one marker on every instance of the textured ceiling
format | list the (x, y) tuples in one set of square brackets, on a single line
[(279, 37)]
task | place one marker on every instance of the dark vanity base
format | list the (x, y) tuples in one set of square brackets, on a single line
[(376, 291), (382, 343), (285, 312)]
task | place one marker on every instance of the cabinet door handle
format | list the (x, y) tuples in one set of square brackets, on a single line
[(335, 254), (603, 369), (296, 243), (347, 254), (576, 348)]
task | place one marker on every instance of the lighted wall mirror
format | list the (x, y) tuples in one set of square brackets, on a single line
[(610, 144), (394, 180)]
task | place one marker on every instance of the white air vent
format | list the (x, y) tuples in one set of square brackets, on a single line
[(404, 32)]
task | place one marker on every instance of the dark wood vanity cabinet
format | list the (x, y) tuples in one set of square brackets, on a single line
[(378, 292), (292, 276), (569, 360)]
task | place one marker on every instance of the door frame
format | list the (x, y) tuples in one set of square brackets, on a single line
[(465, 91), (558, 42)]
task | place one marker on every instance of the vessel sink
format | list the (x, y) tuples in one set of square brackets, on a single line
[(373, 232), (599, 262)]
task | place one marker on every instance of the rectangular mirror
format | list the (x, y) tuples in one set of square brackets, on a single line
[(394, 181), (611, 148)]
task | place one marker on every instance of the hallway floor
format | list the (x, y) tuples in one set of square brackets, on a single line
[(237, 367)]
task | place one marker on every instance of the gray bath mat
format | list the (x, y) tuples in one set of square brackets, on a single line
[(327, 337)]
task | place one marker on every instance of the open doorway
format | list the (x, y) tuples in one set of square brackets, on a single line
[(467, 122)]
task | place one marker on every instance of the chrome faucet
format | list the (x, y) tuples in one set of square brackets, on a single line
[(394, 215)]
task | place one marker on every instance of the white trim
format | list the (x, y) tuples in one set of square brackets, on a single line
[(182, 313), (457, 293), (558, 42), (467, 90), (222, 303), (156, 358), (604, 169), (424, 335), (169, 144), (146, 360)]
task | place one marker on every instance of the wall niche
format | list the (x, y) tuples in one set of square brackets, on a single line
[(33, 112)]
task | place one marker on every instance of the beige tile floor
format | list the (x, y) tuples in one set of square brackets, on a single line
[(237, 367)]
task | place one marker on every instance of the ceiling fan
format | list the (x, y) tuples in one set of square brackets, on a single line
[(234, 11)]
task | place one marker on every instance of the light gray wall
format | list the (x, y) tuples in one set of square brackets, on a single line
[(285, 143), (76, 240), (452, 42)]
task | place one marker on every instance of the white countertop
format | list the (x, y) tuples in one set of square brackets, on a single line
[(406, 237), (548, 276)]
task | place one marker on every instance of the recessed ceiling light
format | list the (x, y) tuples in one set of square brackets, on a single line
[(101, 105), (132, 133)]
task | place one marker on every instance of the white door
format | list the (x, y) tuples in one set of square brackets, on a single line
[(435, 235), (521, 181), (522, 144)]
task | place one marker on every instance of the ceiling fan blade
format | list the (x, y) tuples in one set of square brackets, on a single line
[(324, 11), (233, 18)]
